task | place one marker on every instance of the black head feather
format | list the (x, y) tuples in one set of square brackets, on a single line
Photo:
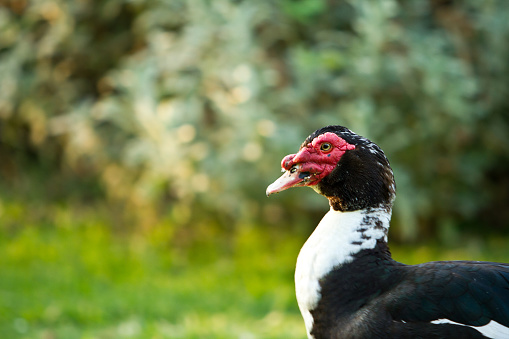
[(363, 177)]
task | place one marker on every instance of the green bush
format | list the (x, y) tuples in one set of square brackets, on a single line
[(190, 105)]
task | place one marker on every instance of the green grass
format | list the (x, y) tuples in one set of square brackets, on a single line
[(70, 274)]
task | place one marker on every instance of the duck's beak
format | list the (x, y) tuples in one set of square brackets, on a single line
[(290, 178)]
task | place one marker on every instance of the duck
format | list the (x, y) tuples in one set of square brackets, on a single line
[(347, 283)]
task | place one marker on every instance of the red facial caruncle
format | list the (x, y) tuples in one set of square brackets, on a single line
[(312, 163)]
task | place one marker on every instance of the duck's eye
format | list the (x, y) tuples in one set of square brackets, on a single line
[(293, 169), (325, 147)]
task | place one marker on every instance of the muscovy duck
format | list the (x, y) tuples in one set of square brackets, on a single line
[(347, 284)]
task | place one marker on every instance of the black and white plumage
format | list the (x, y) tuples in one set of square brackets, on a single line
[(347, 284)]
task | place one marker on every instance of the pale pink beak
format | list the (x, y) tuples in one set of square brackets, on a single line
[(287, 180)]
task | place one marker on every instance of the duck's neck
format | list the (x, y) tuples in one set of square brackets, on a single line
[(338, 237)]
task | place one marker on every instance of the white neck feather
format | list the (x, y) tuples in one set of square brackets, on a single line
[(338, 236)]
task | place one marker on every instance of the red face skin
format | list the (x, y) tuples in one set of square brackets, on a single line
[(312, 163)]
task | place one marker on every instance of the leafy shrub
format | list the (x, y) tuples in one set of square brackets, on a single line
[(193, 103)]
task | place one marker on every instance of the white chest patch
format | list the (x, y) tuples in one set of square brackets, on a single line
[(337, 237)]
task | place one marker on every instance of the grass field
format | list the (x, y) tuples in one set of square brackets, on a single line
[(70, 274)]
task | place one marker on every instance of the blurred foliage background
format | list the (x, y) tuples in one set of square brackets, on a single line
[(137, 139)]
